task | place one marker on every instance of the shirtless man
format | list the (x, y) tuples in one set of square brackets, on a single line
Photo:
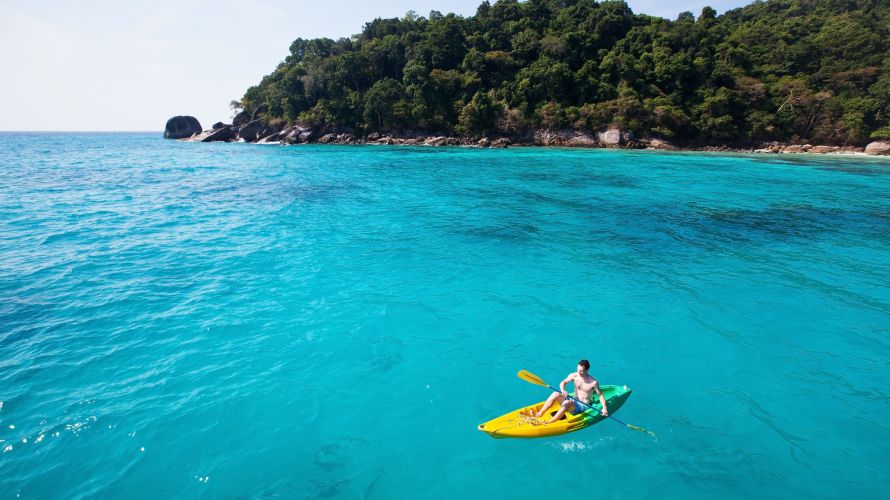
[(584, 386)]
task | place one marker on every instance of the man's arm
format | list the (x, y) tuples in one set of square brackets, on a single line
[(596, 387), (562, 385)]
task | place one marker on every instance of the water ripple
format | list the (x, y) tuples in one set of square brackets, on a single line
[(234, 320)]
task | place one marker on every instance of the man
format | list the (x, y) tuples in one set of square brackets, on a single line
[(584, 386)]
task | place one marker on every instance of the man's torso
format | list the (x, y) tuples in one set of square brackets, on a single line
[(584, 387)]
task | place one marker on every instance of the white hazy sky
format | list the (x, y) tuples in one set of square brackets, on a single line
[(131, 65)]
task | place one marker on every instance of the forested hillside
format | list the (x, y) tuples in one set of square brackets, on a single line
[(784, 70)]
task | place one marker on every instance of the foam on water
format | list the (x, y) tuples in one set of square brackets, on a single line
[(232, 320)]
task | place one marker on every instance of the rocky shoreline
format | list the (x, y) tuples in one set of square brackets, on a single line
[(251, 128)]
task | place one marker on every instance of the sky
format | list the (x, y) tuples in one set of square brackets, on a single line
[(101, 65)]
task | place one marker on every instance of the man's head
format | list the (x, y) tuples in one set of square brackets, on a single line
[(583, 366)]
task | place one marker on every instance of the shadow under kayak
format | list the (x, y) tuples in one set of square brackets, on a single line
[(518, 423)]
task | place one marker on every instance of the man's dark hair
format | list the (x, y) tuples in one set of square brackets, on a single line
[(585, 364)]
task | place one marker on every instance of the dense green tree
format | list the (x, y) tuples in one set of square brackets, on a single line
[(479, 115), (385, 105), (808, 70)]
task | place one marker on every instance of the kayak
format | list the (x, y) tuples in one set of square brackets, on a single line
[(522, 424)]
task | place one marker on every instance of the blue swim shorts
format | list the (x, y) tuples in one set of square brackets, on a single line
[(580, 407)]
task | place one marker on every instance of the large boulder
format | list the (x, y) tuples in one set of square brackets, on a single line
[(327, 138), (241, 119), (430, 141), (795, 148), (224, 134), (582, 140), (878, 148), (306, 136), (656, 143), (251, 132), (271, 136), (262, 108), (181, 127), (291, 135), (546, 137), (612, 137), (270, 133)]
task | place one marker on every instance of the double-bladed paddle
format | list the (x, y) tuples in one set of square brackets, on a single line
[(534, 379)]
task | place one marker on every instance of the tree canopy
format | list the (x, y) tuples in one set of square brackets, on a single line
[(786, 70)]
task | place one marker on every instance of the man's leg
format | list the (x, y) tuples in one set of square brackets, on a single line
[(562, 410), (553, 397)]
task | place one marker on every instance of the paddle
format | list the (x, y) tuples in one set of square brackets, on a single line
[(534, 379)]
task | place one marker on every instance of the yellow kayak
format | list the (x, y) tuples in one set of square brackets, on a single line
[(521, 423)]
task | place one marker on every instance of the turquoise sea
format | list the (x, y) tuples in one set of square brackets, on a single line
[(245, 321)]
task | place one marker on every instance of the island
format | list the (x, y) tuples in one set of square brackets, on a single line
[(779, 75)]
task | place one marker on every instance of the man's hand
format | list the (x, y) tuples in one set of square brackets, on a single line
[(564, 393), (605, 412)]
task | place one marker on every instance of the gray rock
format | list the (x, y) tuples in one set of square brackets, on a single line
[(546, 138), (271, 136), (218, 125), (198, 137), (251, 131), (611, 137), (291, 135), (262, 108), (306, 135), (565, 137), (437, 141), (180, 127), (501, 143), (582, 140), (881, 148), (241, 119), (661, 144), (223, 134)]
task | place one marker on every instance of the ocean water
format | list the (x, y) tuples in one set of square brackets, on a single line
[(243, 321)]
